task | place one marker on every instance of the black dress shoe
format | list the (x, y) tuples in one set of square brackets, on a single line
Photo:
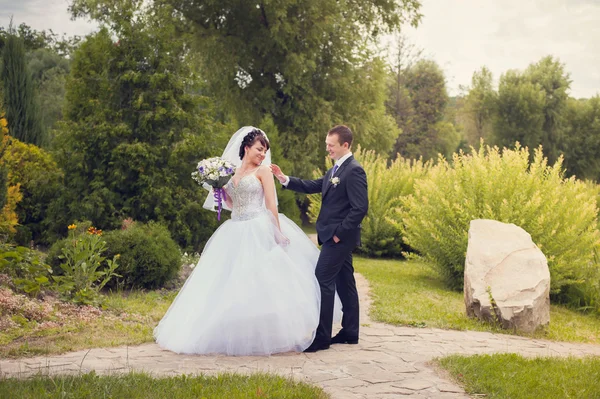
[(342, 338), (316, 346)]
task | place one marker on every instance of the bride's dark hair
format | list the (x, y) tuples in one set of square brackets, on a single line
[(250, 139)]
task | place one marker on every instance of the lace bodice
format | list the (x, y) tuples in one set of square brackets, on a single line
[(248, 197)]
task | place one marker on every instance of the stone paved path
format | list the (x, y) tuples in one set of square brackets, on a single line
[(389, 361)]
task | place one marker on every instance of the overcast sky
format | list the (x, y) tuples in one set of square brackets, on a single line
[(464, 35), (461, 35), (44, 15)]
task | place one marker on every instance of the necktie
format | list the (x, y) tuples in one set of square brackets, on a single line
[(335, 168)]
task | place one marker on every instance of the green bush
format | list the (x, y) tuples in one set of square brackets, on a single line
[(387, 185), (148, 255), (560, 214), (40, 182), (25, 268), (585, 295)]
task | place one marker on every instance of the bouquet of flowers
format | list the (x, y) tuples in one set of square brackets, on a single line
[(214, 172)]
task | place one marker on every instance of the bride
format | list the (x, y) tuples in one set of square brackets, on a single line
[(254, 291)]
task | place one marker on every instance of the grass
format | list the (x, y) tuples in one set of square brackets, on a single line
[(412, 293), (137, 313), (151, 303), (144, 386), (515, 377), (308, 229)]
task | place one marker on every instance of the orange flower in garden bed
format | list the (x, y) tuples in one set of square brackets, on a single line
[(93, 230)]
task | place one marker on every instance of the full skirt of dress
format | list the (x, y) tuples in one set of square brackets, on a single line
[(247, 295)]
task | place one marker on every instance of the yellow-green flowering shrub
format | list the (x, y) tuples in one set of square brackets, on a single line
[(559, 213)]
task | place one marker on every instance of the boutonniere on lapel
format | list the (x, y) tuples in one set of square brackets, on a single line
[(335, 181)]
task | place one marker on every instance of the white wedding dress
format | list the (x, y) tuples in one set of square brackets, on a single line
[(248, 295)]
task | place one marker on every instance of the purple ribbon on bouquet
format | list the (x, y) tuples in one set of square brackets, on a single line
[(220, 196)]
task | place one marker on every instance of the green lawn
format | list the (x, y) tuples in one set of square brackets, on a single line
[(143, 386), (309, 229), (411, 293), (511, 376)]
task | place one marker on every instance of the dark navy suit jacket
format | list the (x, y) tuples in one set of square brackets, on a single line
[(343, 205)]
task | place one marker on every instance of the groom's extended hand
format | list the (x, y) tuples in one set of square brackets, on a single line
[(278, 173)]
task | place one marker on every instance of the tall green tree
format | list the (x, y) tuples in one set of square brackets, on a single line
[(532, 105), (478, 109), (136, 127), (292, 61), (582, 144), (424, 131), (520, 110), (20, 97), (399, 104), (550, 74), (34, 40), (49, 72), (31, 38), (373, 127)]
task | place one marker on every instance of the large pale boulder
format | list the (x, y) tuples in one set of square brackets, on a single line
[(506, 277)]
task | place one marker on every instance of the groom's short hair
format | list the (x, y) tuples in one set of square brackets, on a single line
[(343, 132)]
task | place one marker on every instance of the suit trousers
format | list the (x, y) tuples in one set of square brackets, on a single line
[(335, 271)]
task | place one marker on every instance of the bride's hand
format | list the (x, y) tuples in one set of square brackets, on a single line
[(282, 240)]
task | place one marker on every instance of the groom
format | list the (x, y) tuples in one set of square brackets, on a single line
[(344, 205)]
